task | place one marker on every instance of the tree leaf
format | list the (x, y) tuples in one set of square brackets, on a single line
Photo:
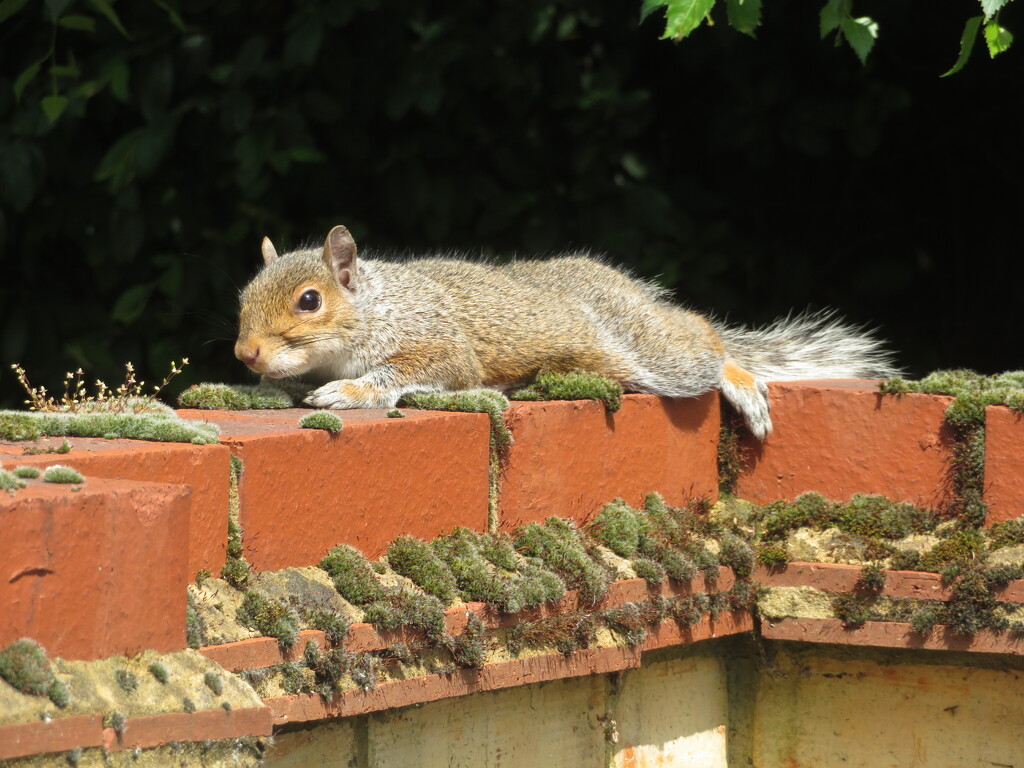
[(54, 106), (172, 14), (744, 15), (991, 7), (967, 39), (10, 7), (828, 18), (860, 34), (56, 8), (684, 16), (82, 23), (118, 164), (998, 38), (25, 78), (105, 8), (131, 303), (649, 7)]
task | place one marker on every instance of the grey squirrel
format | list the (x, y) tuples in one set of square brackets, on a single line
[(362, 332)]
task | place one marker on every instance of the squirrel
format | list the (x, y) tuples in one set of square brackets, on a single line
[(364, 331)]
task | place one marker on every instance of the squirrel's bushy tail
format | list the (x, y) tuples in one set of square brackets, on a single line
[(808, 346)]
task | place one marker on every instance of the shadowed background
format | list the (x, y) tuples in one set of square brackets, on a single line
[(753, 177)]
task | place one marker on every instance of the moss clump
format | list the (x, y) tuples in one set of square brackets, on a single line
[(214, 682), (650, 570), (236, 570), (865, 516), (334, 626), (476, 578), (735, 553), (24, 665), (59, 694), (394, 413), (403, 608), (10, 482), (270, 618), (352, 575), (575, 385), (773, 556), (159, 424), (237, 397), (469, 401), (116, 721), (851, 609), (620, 528), (566, 633), (160, 672), (924, 618), (416, 560), (872, 577), (61, 474), (559, 544), (469, 650), (964, 545), (1009, 533), (324, 420), (730, 452), (126, 680), (195, 627), (631, 621), (26, 473)]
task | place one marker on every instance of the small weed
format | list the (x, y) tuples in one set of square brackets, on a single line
[(159, 671), (126, 680), (872, 577), (773, 556), (116, 721), (9, 482)]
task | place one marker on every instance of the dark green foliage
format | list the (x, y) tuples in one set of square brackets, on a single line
[(971, 606), (126, 680), (328, 668), (469, 650), (159, 671), (270, 618), (1001, 575), (742, 596), (678, 566), (872, 577), (26, 473), (214, 682), (187, 705), (407, 609), (325, 420), (394, 413), (619, 527), (59, 694), (688, 611), (23, 664), (865, 516), (851, 609), (963, 545), (476, 578), (559, 544), (576, 385), (235, 570), (905, 561), (773, 555), (353, 576), (238, 397), (1008, 533), (924, 618), (416, 560)]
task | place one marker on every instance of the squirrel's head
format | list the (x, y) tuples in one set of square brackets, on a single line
[(298, 311)]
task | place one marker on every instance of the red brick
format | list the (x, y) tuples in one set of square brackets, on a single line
[(669, 632), (840, 438), (95, 572), (58, 735), (570, 458), (261, 651), (1004, 464), (203, 467), (305, 491), (891, 634), (208, 724)]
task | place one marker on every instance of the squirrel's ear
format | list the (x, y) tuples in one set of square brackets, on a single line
[(340, 256), (269, 251)]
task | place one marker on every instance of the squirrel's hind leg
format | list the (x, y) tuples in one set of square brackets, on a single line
[(748, 395)]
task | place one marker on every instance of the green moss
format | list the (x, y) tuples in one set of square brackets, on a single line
[(214, 682), (195, 627), (560, 546), (161, 425), (324, 420), (735, 553), (394, 413), (416, 560), (269, 617), (773, 555), (9, 481), (730, 451), (126, 680), (469, 650), (237, 397), (539, 586), (237, 468), (334, 626), (469, 401), (62, 474), (353, 576), (475, 578), (236, 572), (963, 545), (650, 570), (24, 665), (26, 473), (59, 694), (1008, 533), (160, 672), (576, 385), (864, 516), (407, 609), (116, 721), (619, 527), (851, 609), (365, 670), (924, 618), (872, 577)]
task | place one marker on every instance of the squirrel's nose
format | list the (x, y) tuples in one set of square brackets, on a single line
[(247, 355)]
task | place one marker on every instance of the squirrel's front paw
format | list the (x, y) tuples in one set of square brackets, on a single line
[(348, 394)]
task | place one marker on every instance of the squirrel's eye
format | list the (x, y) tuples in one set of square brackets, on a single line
[(309, 301)]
